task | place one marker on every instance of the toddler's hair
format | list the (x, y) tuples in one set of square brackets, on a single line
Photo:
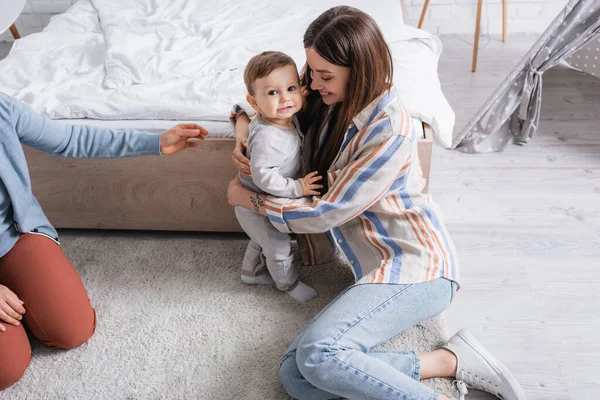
[(263, 64)]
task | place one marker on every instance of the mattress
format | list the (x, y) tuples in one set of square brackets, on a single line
[(216, 129), (178, 60)]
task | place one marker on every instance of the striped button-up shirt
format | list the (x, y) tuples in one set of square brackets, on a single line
[(374, 212)]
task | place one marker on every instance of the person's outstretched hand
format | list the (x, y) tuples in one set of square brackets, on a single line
[(177, 138), (11, 308)]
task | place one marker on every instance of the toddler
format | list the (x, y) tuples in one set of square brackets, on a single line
[(274, 149)]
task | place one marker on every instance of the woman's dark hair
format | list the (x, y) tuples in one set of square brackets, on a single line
[(347, 37)]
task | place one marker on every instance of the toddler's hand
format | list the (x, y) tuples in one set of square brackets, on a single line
[(309, 188)]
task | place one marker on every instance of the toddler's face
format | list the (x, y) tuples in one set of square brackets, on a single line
[(277, 95)]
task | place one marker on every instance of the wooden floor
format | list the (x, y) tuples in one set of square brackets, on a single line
[(526, 223)]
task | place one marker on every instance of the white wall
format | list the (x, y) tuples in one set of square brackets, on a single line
[(443, 16), (446, 17), (36, 15)]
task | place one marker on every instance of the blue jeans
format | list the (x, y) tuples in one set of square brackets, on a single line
[(332, 358)]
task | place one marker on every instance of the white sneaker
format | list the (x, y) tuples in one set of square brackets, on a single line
[(478, 369)]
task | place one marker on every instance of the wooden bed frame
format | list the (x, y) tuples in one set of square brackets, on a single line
[(182, 192)]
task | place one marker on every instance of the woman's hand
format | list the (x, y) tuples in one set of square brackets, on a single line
[(242, 131), (176, 138), (239, 159), (11, 308)]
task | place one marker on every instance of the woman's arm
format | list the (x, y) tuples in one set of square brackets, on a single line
[(380, 163), (57, 138), (238, 195), (354, 190)]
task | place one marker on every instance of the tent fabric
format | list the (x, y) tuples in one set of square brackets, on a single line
[(587, 59), (511, 114)]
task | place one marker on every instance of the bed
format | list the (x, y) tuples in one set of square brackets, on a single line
[(149, 66)]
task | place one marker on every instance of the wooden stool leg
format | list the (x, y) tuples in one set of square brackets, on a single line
[(423, 14), (504, 28), (14, 31), (477, 29)]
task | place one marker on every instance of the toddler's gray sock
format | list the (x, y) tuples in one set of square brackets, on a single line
[(302, 292), (262, 279)]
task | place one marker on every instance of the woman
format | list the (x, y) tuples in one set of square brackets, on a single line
[(38, 284), (361, 140)]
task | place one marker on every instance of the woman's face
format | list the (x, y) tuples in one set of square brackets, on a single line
[(329, 79)]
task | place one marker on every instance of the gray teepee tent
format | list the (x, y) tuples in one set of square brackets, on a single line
[(512, 113)]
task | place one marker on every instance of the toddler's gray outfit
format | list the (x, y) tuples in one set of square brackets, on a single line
[(275, 155)]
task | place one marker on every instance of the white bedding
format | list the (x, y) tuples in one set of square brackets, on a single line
[(184, 60), (216, 129)]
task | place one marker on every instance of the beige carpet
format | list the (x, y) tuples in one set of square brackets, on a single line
[(175, 321)]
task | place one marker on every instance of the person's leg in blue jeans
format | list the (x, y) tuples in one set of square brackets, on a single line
[(331, 358)]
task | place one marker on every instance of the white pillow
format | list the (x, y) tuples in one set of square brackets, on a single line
[(416, 57)]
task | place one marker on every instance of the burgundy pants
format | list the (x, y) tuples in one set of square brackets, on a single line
[(57, 307)]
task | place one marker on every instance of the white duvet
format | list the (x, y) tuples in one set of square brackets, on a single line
[(184, 60)]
